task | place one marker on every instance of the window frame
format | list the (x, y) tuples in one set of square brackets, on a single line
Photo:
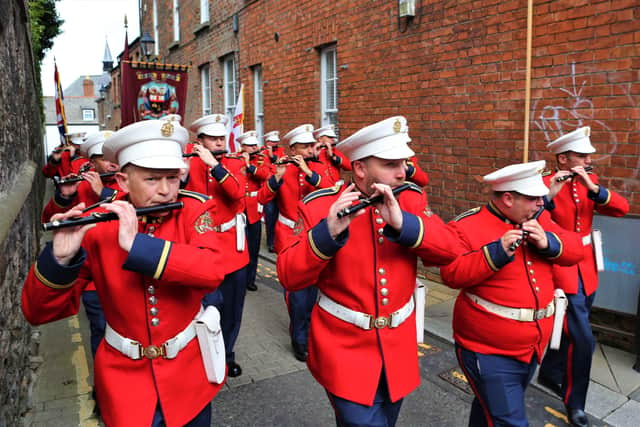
[(329, 114)]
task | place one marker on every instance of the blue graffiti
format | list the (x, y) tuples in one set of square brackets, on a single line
[(623, 267)]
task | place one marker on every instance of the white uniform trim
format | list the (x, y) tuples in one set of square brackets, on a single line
[(519, 314), (363, 320)]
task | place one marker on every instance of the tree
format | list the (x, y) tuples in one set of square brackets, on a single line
[(45, 26)]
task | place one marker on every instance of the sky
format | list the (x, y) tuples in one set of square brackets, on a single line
[(79, 49)]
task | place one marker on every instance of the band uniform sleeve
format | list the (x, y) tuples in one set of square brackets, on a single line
[(52, 291)]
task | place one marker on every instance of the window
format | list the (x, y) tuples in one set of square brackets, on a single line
[(257, 100), (204, 11), (206, 90), (156, 30), (176, 20), (88, 114), (229, 72), (329, 86)]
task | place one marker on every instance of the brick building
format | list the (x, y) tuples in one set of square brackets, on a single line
[(456, 70)]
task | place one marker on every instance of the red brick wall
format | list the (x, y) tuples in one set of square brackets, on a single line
[(456, 71)]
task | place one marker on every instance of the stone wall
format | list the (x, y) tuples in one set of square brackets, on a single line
[(21, 189)]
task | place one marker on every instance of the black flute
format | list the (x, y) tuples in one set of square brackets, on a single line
[(107, 216), (566, 177), (307, 160), (518, 242), (371, 201), (214, 153), (60, 181)]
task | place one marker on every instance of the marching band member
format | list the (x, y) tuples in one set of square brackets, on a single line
[(222, 177), (502, 318), (573, 197), (274, 152), (151, 274), (334, 160), (362, 342)]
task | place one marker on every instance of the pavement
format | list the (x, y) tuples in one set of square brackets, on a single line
[(62, 395)]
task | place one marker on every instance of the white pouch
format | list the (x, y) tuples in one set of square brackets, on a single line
[(596, 241), (211, 343), (241, 226), (419, 297), (560, 301)]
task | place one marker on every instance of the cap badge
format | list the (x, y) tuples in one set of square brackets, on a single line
[(107, 134), (397, 126), (587, 131), (167, 129), (308, 128), (217, 119)]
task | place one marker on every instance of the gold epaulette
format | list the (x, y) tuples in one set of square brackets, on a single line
[(192, 194), (321, 193), (467, 213)]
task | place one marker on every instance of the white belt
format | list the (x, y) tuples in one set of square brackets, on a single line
[(252, 194), (286, 221), (586, 240), (134, 350), (363, 320), (225, 226), (519, 314)]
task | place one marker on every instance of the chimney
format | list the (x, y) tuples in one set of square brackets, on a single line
[(87, 87)]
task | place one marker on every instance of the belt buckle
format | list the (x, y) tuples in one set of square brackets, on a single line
[(380, 322), (540, 314), (152, 351)]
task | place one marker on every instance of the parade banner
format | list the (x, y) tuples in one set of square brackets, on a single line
[(237, 124), (152, 90), (61, 117)]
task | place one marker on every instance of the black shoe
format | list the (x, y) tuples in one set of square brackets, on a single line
[(577, 417), (234, 370), (252, 287), (299, 351), (550, 384)]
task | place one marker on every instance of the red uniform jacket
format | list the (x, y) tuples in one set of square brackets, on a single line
[(291, 188), (225, 184), (65, 166), (524, 281), (415, 173), (257, 174), (277, 153), (372, 269), (334, 164), (85, 193), (182, 259), (573, 208)]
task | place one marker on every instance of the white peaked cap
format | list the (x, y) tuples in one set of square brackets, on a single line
[(303, 134), (153, 144), (325, 131), (386, 139), (273, 136), (76, 137), (92, 145), (523, 178), (577, 141), (210, 125), (248, 138)]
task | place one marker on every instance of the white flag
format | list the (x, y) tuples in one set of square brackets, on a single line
[(237, 124)]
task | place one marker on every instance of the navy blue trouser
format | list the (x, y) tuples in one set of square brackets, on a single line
[(254, 232), (270, 218), (570, 365), (203, 419), (229, 300), (383, 412), (97, 324), (499, 384), (300, 303)]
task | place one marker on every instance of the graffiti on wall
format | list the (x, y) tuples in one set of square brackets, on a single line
[(576, 109)]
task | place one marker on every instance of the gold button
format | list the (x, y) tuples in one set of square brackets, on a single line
[(385, 301), (533, 280), (380, 231), (378, 220), (384, 292), (153, 300), (382, 271), (537, 289), (151, 289), (155, 321), (380, 240), (376, 211), (529, 263), (531, 272), (154, 311), (383, 281)]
